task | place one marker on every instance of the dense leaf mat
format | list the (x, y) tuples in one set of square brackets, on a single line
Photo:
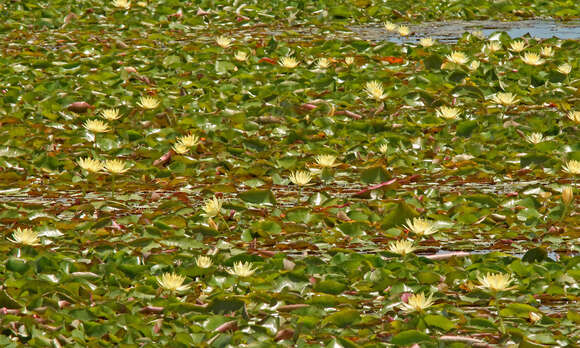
[(442, 214)]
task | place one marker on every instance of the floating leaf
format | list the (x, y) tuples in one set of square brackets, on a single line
[(520, 310), (439, 321), (330, 287), (410, 337), (258, 197), (535, 255), (344, 318), (374, 175)]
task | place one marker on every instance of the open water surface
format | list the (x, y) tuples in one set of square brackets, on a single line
[(452, 30)]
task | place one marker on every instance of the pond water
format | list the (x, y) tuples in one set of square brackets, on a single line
[(450, 31), (447, 32)]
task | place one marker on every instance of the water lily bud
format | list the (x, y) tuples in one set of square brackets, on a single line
[(534, 317), (567, 195)]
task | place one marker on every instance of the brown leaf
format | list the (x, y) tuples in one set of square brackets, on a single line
[(510, 123), (155, 196), (69, 17), (270, 119), (164, 159), (465, 339), (157, 326), (292, 307), (284, 334), (144, 79), (79, 107), (341, 215), (374, 187), (308, 106), (228, 326), (349, 114), (263, 253), (151, 309)]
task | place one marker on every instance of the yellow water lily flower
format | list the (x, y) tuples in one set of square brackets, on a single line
[(572, 167), (288, 62), (25, 236), (401, 247), (532, 58), (421, 227), (478, 34), (517, 46), (323, 63), (213, 207), (241, 269), (493, 46), (172, 282), (547, 51), (383, 148), (390, 26), (567, 194), (457, 57), (495, 282), (348, 60), (535, 138), (505, 99), (148, 102), (115, 166), (110, 114), (427, 42), (203, 261), (574, 116), (124, 4), (96, 126), (403, 30), (223, 41), (189, 140), (564, 69), (448, 112), (180, 148), (91, 165), (327, 161), (241, 56), (474, 65), (375, 90), (300, 177), (417, 303)]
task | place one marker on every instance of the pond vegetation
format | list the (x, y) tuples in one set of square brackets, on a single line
[(211, 174)]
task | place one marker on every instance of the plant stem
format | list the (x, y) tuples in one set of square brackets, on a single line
[(224, 221), (84, 187), (501, 324), (112, 185)]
